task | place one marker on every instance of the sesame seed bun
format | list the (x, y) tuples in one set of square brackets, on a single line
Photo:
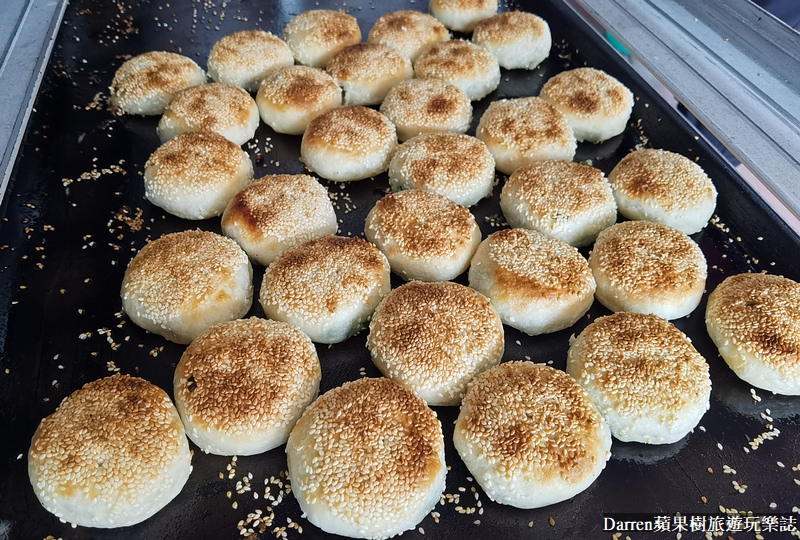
[(146, 83), (754, 320), (426, 106), (567, 200), (241, 385), (194, 175), (538, 284), (424, 235), (278, 212), (408, 32), (327, 287), (221, 108), (596, 105), (462, 15), (316, 35), (366, 72), (113, 454), (643, 375), (517, 39), (244, 58), (433, 338), (291, 97), (462, 64), (648, 268), (383, 468), (348, 143), (456, 166), (661, 186), (182, 283), (523, 130), (530, 435)]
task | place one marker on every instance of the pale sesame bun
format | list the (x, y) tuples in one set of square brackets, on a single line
[(517, 39), (424, 235), (596, 105), (754, 320), (244, 58), (194, 175), (221, 108), (113, 454), (348, 143), (458, 167), (182, 283), (530, 435), (538, 284), (427, 106), (661, 186), (567, 200), (643, 375), (648, 268), (408, 32), (241, 385), (523, 130), (462, 64), (462, 15), (366, 72), (316, 35), (383, 468), (278, 212), (291, 97), (146, 83), (327, 287), (433, 338)]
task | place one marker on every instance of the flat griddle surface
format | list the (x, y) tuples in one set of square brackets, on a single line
[(75, 215)]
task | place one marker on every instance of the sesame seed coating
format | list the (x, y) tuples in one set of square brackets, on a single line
[(408, 32), (298, 87), (462, 15), (459, 63), (352, 130), (427, 105), (244, 58), (587, 92), (315, 35), (508, 27), (366, 61)]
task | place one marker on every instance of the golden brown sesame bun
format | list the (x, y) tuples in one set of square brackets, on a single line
[(643, 375), (462, 15), (523, 130), (457, 166), (278, 212), (433, 338), (241, 385), (538, 284), (291, 97), (182, 283), (517, 39), (366, 72), (408, 32), (146, 83), (221, 108), (244, 58), (348, 143), (316, 35), (113, 454), (462, 64), (195, 175), (646, 267), (664, 187), (596, 105), (427, 106), (424, 235), (366, 460), (567, 200), (754, 320), (530, 435), (328, 287)]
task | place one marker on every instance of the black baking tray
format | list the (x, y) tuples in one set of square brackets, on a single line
[(75, 214)]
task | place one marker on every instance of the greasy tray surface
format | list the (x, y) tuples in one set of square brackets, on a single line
[(75, 214)]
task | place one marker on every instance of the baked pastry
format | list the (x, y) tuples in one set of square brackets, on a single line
[(433, 338), (427, 106), (754, 320), (643, 375), (366, 72), (244, 58), (242, 385), (316, 35), (366, 460), (530, 435), (462, 16), (462, 64), (516, 38), (113, 454), (408, 32)]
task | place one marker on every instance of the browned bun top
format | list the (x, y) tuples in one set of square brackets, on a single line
[(150, 73), (555, 184), (326, 27), (364, 61), (424, 101), (526, 124), (297, 87), (353, 129), (196, 158), (587, 92), (407, 28), (453, 60), (249, 49), (508, 27), (213, 106)]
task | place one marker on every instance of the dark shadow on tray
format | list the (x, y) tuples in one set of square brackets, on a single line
[(645, 454)]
